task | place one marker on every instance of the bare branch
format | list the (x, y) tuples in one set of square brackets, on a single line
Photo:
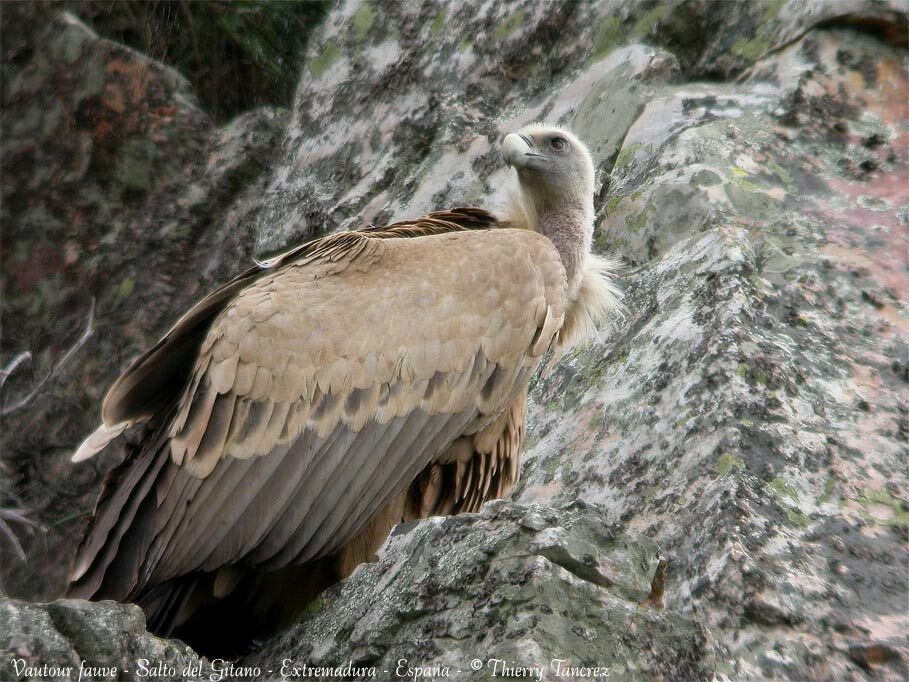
[(7, 371), (26, 400), (18, 515)]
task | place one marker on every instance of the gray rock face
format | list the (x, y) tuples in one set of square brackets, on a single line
[(753, 392), (511, 586), (747, 415), (72, 640)]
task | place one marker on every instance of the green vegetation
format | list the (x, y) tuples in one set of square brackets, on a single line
[(646, 23), (637, 222), (612, 203), (773, 8), (238, 54), (124, 289), (784, 175), (626, 155), (829, 488), (883, 498), (315, 606), (751, 49)]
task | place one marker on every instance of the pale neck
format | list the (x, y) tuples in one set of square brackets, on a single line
[(570, 229), (566, 221)]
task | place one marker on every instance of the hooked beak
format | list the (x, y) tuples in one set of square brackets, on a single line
[(519, 151)]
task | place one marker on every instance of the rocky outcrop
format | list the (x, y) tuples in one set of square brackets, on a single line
[(745, 416), (77, 640), (514, 586), (753, 392)]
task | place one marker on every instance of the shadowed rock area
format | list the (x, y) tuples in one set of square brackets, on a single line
[(738, 439)]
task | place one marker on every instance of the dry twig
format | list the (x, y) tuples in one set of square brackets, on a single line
[(26, 400)]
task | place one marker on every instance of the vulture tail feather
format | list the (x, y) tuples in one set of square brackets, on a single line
[(108, 561)]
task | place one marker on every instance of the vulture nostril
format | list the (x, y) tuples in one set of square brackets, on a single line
[(528, 139)]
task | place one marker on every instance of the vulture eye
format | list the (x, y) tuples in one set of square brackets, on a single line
[(558, 144)]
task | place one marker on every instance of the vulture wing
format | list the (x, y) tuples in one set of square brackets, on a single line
[(315, 393)]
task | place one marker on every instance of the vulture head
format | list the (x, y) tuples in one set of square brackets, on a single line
[(553, 166), (554, 193), (554, 196)]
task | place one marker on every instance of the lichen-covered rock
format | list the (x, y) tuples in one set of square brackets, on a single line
[(753, 392), (517, 586), (745, 415), (70, 640)]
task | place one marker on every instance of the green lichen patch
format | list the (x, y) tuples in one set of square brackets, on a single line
[(829, 487), (124, 289), (330, 54), (438, 23), (784, 175), (751, 49), (797, 518), (746, 184), (608, 37), (510, 25), (773, 9), (726, 464), (637, 221), (779, 489), (626, 156), (612, 203), (362, 21), (881, 498), (315, 606)]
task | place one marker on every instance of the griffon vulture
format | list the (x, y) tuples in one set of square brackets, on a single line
[(360, 380)]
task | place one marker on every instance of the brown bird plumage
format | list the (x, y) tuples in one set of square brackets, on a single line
[(357, 381)]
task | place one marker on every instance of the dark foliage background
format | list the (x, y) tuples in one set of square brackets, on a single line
[(238, 54)]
